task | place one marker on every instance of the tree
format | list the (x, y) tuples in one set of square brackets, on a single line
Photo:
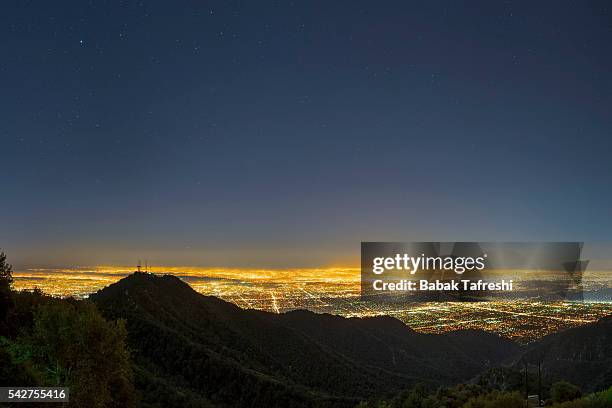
[(562, 391), (6, 297), (496, 399), (6, 271), (75, 346)]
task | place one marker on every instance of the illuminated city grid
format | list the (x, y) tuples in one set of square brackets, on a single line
[(337, 291)]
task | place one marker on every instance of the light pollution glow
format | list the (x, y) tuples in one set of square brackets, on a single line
[(80, 282), (336, 291)]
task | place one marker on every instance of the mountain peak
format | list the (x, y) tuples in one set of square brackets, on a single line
[(147, 280), (187, 332), (146, 289)]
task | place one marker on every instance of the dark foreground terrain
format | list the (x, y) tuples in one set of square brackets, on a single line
[(206, 346), (152, 341)]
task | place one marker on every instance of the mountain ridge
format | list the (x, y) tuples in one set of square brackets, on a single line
[(581, 355), (186, 343), (300, 354)]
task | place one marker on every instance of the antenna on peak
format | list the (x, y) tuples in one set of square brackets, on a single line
[(139, 266), (146, 266)]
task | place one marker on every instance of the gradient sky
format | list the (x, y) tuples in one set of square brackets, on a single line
[(284, 133)]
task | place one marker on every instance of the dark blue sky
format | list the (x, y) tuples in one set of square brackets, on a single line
[(283, 134)]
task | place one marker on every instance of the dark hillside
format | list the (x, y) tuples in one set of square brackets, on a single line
[(581, 355), (185, 343)]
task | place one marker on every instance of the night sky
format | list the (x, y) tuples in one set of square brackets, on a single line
[(283, 134)]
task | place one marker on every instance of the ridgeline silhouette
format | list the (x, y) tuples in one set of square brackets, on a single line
[(152, 341)]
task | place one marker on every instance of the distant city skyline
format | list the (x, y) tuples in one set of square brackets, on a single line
[(283, 135)]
